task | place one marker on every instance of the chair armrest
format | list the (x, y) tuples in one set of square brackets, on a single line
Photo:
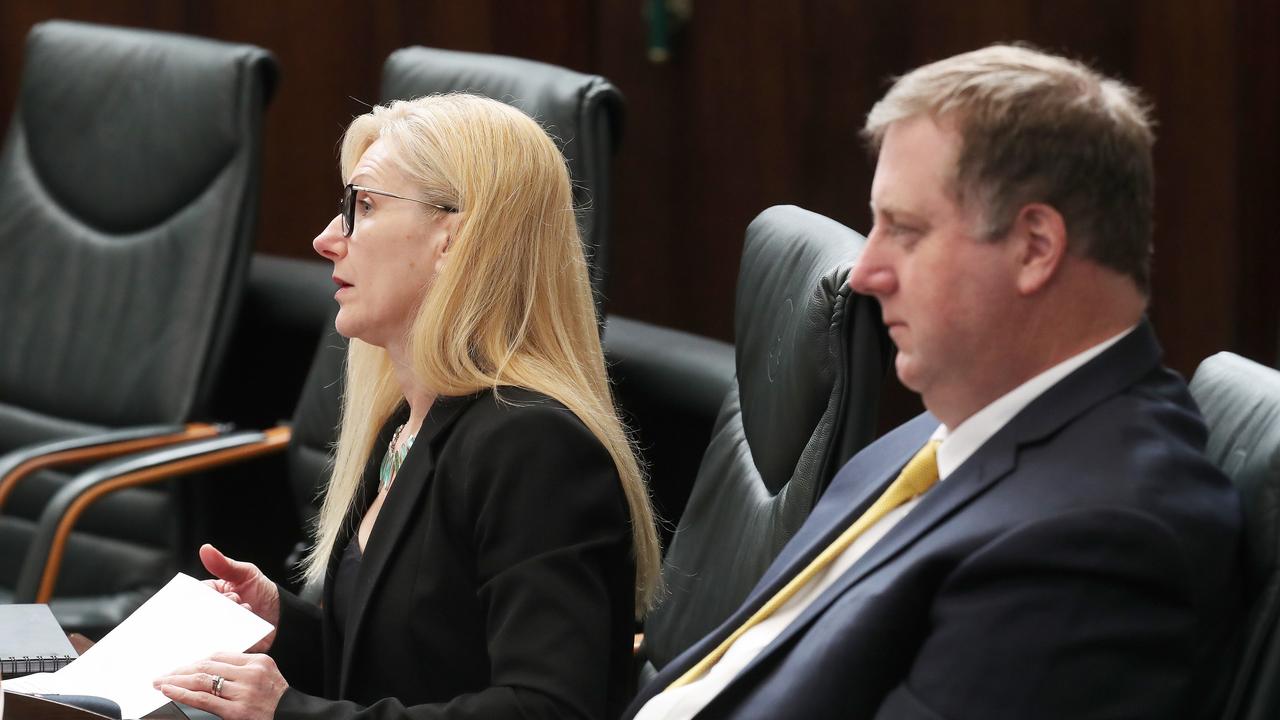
[(22, 462), (44, 556), (689, 373), (53, 707)]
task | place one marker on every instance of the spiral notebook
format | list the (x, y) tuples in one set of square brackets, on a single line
[(31, 641)]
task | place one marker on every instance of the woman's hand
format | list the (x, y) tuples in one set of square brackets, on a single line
[(233, 686), (244, 583)]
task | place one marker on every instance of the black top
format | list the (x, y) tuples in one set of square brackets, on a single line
[(344, 583), (498, 581)]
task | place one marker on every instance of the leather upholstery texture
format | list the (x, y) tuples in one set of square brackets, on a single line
[(810, 358), (129, 186), (315, 431), (669, 385), (128, 194), (1240, 401), (288, 307), (584, 113), (315, 422)]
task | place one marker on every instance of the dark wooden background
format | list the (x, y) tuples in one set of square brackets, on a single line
[(760, 104)]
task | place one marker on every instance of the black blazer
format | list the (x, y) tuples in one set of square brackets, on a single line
[(1083, 563), (498, 581)]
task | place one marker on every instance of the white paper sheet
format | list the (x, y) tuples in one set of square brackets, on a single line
[(185, 622)]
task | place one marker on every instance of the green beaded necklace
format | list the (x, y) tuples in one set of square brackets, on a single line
[(393, 458)]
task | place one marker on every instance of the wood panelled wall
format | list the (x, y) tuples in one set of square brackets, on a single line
[(760, 104)]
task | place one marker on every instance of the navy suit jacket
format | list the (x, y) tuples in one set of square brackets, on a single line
[(1083, 563)]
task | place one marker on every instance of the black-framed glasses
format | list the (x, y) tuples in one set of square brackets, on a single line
[(347, 205)]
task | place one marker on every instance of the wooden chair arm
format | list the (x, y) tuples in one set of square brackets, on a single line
[(24, 461), (40, 568)]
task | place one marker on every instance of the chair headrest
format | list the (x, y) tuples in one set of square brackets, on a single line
[(794, 264), (150, 94), (552, 95), (583, 113)]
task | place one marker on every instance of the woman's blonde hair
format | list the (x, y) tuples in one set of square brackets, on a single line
[(513, 306)]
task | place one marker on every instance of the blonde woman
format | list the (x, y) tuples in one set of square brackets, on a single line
[(486, 540)]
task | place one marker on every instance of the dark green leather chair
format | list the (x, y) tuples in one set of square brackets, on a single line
[(1240, 401), (129, 188)]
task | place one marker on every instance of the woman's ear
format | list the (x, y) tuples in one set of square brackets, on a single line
[(442, 253), (450, 230), (1041, 234)]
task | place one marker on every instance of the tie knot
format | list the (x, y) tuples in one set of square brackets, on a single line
[(921, 472)]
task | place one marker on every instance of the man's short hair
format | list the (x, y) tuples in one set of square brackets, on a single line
[(1036, 127)]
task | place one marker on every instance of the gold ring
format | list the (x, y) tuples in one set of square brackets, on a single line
[(217, 685)]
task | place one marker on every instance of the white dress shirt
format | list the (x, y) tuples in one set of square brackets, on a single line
[(956, 446)]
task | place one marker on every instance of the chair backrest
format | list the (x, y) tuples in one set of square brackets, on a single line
[(810, 357), (249, 510), (128, 204), (315, 423), (1240, 402), (584, 113), (669, 386)]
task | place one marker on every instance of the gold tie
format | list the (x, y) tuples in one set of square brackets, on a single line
[(920, 474)]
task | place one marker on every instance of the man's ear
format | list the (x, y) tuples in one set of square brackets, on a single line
[(1042, 244)]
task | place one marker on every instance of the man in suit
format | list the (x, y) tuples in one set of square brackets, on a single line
[(1048, 540)]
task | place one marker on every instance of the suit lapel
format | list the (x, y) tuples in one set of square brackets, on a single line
[(967, 483), (394, 519)]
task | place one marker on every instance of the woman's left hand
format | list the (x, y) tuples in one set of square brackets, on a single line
[(250, 686)]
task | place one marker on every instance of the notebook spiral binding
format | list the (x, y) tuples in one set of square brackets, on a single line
[(18, 666)]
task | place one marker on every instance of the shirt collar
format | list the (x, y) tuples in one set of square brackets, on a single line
[(962, 442)]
